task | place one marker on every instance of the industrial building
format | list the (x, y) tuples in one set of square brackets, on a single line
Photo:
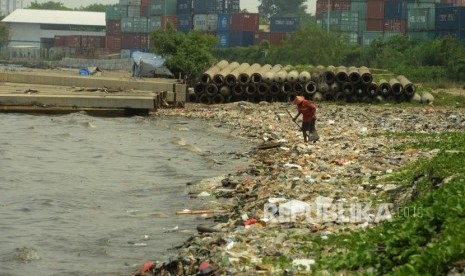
[(32, 31)]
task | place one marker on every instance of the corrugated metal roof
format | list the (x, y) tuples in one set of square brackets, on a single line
[(56, 17)]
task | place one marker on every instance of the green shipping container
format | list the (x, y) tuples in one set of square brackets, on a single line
[(163, 7), (116, 12), (420, 17), (422, 36), (154, 23), (340, 21), (359, 7), (134, 25), (369, 37)]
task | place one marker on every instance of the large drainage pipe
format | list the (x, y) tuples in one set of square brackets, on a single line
[(199, 88), (233, 76), (211, 89), (268, 77), (372, 89), (258, 76), (365, 75), (208, 75), (292, 76), (328, 75), (298, 87), (310, 88), (251, 89), (263, 89), (280, 76), (205, 99), (225, 91), (409, 88), (217, 99), (244, 77), (341, 74), (219, 77), (354, 75), (304, 76), (348, 88), (287, 88), (275, 88), (396, 87), (384, 88), (322, 87), (238, 90)]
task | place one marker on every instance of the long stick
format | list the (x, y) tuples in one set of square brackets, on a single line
[(293, 119)]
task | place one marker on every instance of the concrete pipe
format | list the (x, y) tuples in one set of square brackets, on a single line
[(205, 99), (365, 75), (305, 76), (217, 99), (199, 88), (225, 91), (427, 98), (328, 75), (341, 74), (268, 98), (193, 98), (292, 76), (275, 88), (255, 98), (251, 89), (372, 89), (409, 87), (416, 98), (257, 77), (378, 99), (348, 88), (340, 97), (263, 89), (287, 88), (280, 76), (359, 90), (317, 97), (219, 78), (396, 87), (238, 90), (310, 88), (322, 87), (208, 75), (298, 87), (384, 88), (211, 89), (233, 76), (354, 75), (268, 77), (244, 77), (316, 76), (334, 87)]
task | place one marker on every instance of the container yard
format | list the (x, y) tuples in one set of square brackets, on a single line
[(130, 23)]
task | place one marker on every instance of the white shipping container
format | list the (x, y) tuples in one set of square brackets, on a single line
[(133, 11), (212, 22), (200, 22)]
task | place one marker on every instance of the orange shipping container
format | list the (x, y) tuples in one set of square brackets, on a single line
[(375, 9), (375, 25)]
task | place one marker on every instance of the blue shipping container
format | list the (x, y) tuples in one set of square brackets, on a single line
[(451, 18), (458, 34), (223, 39), (184, 7), (242, 39), (185, 23), (224, 21), (209, 6), (394, 10), (282, 24)]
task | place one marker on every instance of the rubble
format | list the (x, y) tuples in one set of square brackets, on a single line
[(347, 166)]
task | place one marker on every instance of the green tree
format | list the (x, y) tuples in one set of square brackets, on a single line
[(94, 8), (4, 34), (269, 8), (50, 5), (189, 54)]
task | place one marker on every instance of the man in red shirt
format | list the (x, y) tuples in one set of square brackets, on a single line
[(308, 110)]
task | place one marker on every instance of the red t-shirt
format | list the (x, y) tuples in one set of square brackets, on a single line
[(308, 110)]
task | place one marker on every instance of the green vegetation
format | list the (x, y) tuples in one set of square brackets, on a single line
[(428, 239), (269, 8), (4, 34), (52, 5)]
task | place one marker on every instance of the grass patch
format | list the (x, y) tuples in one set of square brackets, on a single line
[(429, 243)]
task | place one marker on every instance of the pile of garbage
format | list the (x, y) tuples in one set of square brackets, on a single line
[(231, 82), (349, 165)]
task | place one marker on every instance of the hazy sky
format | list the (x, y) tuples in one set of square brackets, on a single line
[(250, 5)]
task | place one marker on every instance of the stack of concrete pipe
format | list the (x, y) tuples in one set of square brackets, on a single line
[(229, 82)]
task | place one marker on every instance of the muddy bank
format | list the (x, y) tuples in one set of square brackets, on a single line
[(346, 167)]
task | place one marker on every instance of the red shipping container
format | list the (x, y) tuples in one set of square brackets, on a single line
[(458, 3), (113, 27), (244, 22), (375, 9), (334, 5), (173, 19), (395, 25), (113, 42), (342, 5), (260, 36), (73, 41), (92, 42), (134, 41), (145, 2), (60, 41), (277, 39), (375, 25)]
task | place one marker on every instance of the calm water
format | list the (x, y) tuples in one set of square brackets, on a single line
[(97, 196)]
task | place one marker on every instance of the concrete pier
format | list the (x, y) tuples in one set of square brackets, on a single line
[(65, 92)]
